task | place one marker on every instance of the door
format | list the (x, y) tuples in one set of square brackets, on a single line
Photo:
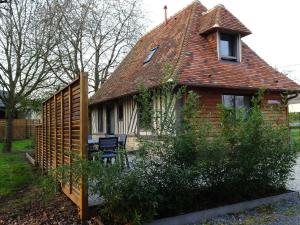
[(110, 120)]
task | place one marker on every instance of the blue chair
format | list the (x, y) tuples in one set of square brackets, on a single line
[(109, 146), (122, 144), (122, 140)]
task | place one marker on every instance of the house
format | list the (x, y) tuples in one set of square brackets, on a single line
[(294, 105), (29, 113), (207, 54)]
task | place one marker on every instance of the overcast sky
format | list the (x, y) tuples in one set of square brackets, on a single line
[(274, 25)]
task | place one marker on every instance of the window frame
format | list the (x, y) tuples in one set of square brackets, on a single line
[(236, 46), (234, 108)]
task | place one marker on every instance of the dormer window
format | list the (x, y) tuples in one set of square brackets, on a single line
[(150, 54), (229, 47)]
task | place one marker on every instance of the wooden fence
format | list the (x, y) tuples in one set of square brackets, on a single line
[(22, 128), (61, 139)]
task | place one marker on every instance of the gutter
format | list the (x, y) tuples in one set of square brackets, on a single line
[(294, 96)]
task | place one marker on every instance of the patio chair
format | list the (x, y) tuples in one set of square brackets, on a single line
[(122, 144), (109, 146)]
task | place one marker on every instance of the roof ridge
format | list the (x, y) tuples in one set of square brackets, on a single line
[(213, 8), (171, 17)]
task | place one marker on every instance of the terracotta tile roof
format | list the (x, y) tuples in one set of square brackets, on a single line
[(194, 58), (220, 18)]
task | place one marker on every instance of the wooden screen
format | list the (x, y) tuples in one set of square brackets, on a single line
[(61, 139)]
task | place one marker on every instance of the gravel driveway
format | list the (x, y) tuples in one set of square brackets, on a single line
[(281, 213)]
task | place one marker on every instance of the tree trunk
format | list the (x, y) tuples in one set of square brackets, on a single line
[(8, 131)]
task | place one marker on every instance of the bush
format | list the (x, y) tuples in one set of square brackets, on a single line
[(183, 169)]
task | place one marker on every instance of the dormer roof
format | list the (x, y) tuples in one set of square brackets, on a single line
[(219, 18)]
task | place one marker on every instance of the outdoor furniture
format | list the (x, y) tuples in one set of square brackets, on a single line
[(91, 147), (122, 140), (122, 144), (92, 143), (109, 146)]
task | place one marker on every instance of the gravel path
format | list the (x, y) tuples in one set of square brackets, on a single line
[(281, 213)]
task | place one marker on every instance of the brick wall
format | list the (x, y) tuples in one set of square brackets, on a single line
[(210, 99)]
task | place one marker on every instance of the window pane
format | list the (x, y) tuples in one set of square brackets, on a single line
[(100, 119), (150, 55), (228, 101), (228, 46), (242, 102), (120, 112), (247, 102), (224, 48), (239, 102)]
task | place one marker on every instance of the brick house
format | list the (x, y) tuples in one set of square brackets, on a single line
[(207, 54)]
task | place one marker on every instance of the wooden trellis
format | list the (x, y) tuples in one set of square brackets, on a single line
[(61, 139)]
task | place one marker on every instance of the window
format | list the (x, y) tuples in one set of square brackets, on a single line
[(240, 104), (150, 55), (100, 119), (229, 47), (120, 112)]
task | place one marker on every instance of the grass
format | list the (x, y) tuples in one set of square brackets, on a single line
[(22, 187), (15, 171), (295, 137)]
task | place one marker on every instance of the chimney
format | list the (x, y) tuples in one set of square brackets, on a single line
[(166, 16)]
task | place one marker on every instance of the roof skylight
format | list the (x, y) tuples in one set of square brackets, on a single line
[(150, 55)]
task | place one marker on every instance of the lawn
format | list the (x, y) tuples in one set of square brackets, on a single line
[(15, 171), (295, 138)]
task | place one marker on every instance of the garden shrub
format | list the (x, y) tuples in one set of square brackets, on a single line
[(184, 170)]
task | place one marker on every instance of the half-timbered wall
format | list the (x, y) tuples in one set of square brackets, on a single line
[(128, 125)]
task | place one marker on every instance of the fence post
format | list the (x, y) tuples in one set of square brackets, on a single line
[(83, 142)]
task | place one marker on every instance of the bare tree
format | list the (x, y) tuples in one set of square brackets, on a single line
[(25, 40), (93, 36)]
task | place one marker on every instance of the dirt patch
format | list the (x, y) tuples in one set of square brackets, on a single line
[(24, 208), (29, 206)]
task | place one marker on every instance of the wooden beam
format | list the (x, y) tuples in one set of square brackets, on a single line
[(70, 137), (62, 132), (83, 142)]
